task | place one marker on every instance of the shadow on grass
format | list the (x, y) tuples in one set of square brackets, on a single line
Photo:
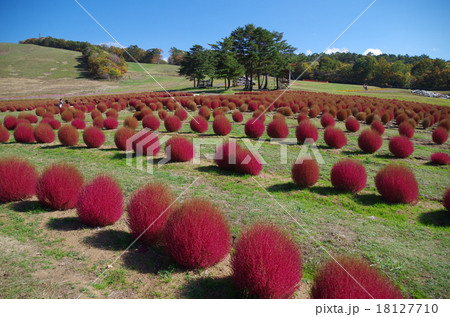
[(211, 288), (387, 156), (64, 224), (284, 187), (212, 169), (110, 149), (325, 191), (34, 207), (114, 240), (119, 156), (55, 146), (147, 260), (438, 218), (369, 199)]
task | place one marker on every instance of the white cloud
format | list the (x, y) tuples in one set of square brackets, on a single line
[(336, 50), (374, 51), (308, 52)]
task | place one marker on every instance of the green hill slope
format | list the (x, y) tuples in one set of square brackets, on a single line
[(32, 61)]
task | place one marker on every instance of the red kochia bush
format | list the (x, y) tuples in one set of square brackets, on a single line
[(377, 126), (24, 133), (148, 211), (237, 116), (79, 124), (172, 123), (221, 125), (43, 133), (179, 149), (266, 263), (446, 200), (440, 135), (199, 124), (93, 137), (397, 184), (305, 172), (59, 186), (68, 135), (98, 122), (277, 129), (348, 175), (401, 146), (146, 144), (110, 124), (406, 129), (121, 137), (333, 282), (351, 124), (197, 235), (4, 134), (10, 122), (254, 128), (151, 122), (440, 158), (18, 179), (334, 137), (327, 120), (247, 162), (181, 113), (306, 130), (369, 141), (100, 202), (225, 156)]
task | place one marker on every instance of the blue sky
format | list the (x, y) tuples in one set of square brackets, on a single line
[(393, 26)]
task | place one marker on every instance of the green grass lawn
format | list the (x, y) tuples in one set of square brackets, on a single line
[(32, 61), (408, 243)]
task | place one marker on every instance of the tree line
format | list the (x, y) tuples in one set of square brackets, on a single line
[(257, 54)]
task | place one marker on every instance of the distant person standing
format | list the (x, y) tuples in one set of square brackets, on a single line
[(365, 87), (60, 103)]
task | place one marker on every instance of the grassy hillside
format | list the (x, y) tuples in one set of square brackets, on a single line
[(32, 61)]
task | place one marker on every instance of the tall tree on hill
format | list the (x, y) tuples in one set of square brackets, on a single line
[(198, 64), (176, 56), (228, 67)]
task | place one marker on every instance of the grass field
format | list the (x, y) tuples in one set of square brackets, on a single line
[(51, 254)]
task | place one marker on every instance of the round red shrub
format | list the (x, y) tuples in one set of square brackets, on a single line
[(446, 199), (67, 116), (179, 149), (78, 124), (327, 121), (352, 279), (369, 141), (197, 235), (440, 158), (68, 135), (131, 122), (172, 124), (10, 122), (199, 124), (59, 186), (221, 125), (397, 184), (111, 113), (406, 129), (121, 137), (237, 116), (225, 156), (306, 130), (18, 179), (55, 124), (31, 118), (349, 175), (146, 144), (148, 211), (305, 172), (401, 146), (4, 134), (334, 137), (43, 133), (254, 128), (440, 135), (24, 133), (151, 122), (247, 162), (377, 126), (93, 137), (204, 112), (110, 124), (277, 129), (266, 263), (181, 113), (98, 122), (302, 117), (100, 202)]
